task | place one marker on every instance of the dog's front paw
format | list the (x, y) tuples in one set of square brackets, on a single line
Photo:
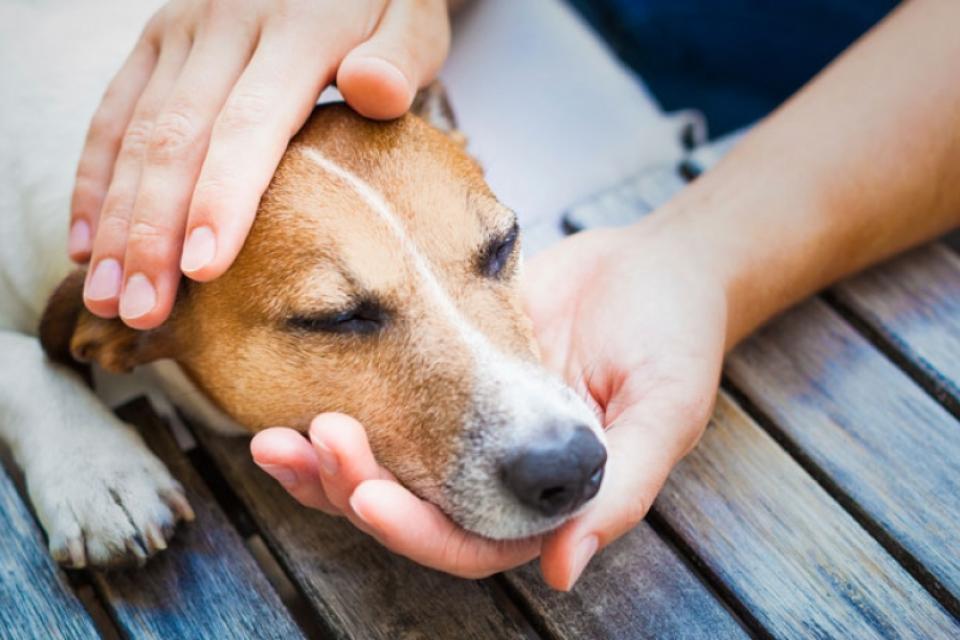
[(107, 506)]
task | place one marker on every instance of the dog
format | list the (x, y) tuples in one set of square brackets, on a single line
[(380, 279)]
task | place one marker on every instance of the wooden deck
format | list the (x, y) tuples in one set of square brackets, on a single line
[(823, 501)]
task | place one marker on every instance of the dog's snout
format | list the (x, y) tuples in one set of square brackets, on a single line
[(554, 478)]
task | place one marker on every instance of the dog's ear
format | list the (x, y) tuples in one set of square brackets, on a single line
[(70, 334), (432, 104)]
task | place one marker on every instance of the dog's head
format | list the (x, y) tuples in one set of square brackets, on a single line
[(380, 279)]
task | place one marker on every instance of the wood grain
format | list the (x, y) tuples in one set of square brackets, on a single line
[(871, 430), (359, 588), (636, 588), (206, 584), (913, 302), (796, 560), (36, 600)]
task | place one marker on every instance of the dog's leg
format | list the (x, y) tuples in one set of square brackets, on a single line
[(102, 496)]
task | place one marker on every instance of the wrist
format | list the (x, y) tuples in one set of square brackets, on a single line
[(745, 246), (666, 242)]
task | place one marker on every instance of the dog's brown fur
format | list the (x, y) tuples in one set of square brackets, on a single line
[(316, 245)]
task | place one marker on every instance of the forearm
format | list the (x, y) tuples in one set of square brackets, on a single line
[(861, 164)]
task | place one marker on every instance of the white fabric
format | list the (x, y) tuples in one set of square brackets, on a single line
[(549, 111)]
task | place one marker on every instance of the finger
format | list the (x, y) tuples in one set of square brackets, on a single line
[(643, 449), (171, 164), (104, 279), (103, 143), (407, 525), (269, 103), (380, 77), (344, 455), (288, 457)]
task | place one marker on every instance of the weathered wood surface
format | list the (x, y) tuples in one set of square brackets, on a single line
[(790, 558), (206, 585), (36, 600), (875, 435), (637, 588), (360, 589), (913, 303), (799, 564)]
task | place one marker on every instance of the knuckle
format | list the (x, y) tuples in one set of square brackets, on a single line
[(118, 205), (136, 136), (246, 109), (172, 135), (113, 224), (148, 233)]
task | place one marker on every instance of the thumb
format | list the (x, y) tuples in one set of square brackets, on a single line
[(380, 77), (642, 453)]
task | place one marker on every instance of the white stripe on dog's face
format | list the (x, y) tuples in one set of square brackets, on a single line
[(514, 402), (379, 206), (394, 215)]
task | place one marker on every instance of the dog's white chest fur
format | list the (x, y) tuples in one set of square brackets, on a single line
[(47, 96)]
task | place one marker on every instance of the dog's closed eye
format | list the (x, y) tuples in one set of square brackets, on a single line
[(363, 318), (497, 253)]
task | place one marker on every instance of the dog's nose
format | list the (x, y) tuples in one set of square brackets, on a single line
[(557, 477)]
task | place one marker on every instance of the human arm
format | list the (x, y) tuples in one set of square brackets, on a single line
[(861, 164)]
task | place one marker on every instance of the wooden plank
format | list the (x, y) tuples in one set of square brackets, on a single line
[(636, 588), (953, 240), (36, 600), (873, 432), (359, 588), (913, 303), (206, 584), (792, 556)]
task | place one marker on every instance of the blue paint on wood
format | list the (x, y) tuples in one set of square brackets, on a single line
[(35, 599)]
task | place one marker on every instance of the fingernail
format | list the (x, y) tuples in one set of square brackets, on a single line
[(328, 460), (139, 297), (281, 474), (199, 249), (581, 556), (79, 238), (105, 281)]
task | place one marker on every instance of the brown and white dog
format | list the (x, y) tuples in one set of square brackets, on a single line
[(380, 279)]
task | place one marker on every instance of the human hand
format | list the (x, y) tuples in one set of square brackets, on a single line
[(629, 320), (191, 129), (336, 473), (637, 324)]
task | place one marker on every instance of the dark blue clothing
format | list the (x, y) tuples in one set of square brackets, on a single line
[(734, 60)]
